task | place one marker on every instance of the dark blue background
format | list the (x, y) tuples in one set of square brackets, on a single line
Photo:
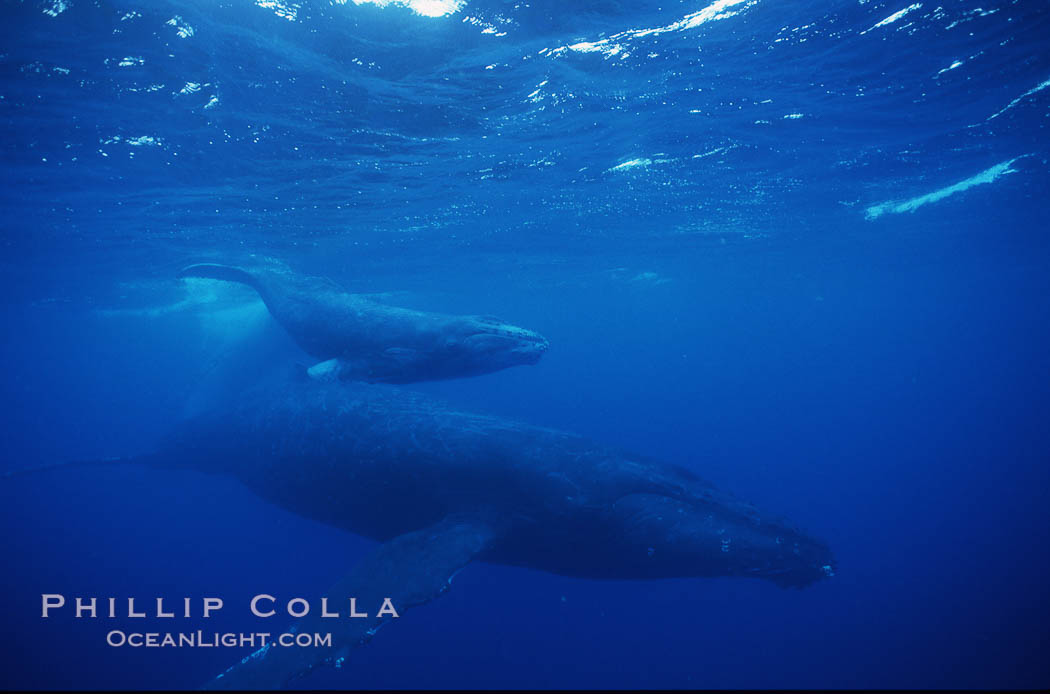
[(883, 382)]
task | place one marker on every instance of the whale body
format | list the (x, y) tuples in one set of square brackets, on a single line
[(440, 487), (357, 338)]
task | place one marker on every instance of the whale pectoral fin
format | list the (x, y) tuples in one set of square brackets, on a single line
[(338, 369), (409, 570), (326, 370)]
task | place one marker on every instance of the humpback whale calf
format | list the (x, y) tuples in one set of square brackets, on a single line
[(440, 488), (363, 340)]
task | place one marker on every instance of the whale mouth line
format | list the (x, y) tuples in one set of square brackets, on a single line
[(518, 341)]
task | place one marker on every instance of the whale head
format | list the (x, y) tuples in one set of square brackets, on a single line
[(668, 537), (456, 348), (496, 342), (482, 344)]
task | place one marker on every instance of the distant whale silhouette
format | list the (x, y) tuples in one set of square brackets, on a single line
[(360, 339), (441, 487)]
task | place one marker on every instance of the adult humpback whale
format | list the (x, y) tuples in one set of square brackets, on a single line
[(360, 339), (441, 487)]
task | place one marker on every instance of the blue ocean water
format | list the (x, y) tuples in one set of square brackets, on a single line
[(799, 248)]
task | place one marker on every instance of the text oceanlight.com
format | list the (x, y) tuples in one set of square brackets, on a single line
[(200, 639)]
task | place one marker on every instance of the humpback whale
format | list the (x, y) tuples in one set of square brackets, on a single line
[(360, 339), (439, 488)]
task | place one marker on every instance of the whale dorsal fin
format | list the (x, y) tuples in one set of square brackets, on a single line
[(410, 570)]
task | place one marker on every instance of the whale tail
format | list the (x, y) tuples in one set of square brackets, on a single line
[(215, 271)]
